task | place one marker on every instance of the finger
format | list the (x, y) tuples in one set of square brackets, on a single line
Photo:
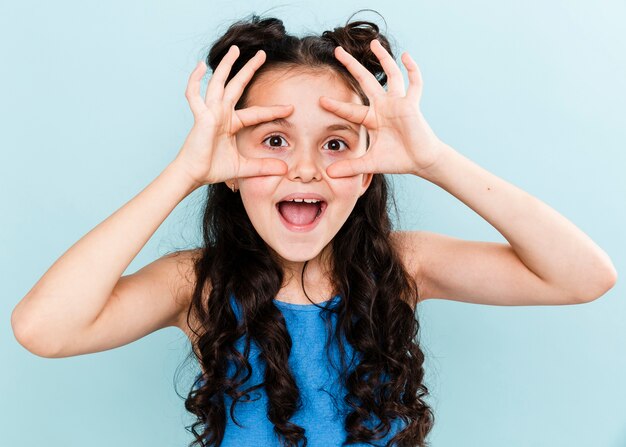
[(395, 84), (236, 85), (193, 88), (215, 88), (355, 113), (258, 114), (415, 76), (253, 167), (351, 167), (366, 79)]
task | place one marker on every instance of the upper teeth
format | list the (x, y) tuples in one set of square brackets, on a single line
[(305, 200)]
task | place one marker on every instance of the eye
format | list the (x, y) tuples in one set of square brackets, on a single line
[(273, 137), (338, 150), (277, 137)]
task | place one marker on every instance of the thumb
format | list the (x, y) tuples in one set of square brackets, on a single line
[(253, 167), (347, 168)]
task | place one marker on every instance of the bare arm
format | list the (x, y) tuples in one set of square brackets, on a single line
[(82, 295), (73, 292), (547, 261)]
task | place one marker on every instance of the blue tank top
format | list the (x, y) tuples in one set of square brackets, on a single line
[(323, 410)]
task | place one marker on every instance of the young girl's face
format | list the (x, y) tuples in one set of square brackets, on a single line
[(308, 140)]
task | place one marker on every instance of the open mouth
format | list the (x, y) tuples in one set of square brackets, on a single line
[(301, 214)]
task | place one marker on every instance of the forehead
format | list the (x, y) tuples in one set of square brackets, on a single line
[(291, 86)]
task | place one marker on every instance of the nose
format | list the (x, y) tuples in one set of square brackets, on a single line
[(305, 165)]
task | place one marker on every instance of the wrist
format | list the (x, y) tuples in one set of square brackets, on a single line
[(179, 171), (442, 152)]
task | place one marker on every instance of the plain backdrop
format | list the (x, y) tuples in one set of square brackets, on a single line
[(93, 108)]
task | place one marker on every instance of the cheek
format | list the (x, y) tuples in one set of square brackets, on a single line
[(256, 193), (257, 187), (347, 189)]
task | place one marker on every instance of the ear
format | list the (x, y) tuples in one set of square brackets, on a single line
[(367, 179), (232, 184)]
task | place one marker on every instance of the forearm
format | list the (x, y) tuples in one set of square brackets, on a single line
[(76, 287), (546, 242)]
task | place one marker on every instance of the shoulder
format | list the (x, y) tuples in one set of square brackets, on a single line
[(410, 246), (183, 279)]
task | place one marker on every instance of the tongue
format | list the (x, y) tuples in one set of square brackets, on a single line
[(299, 213)]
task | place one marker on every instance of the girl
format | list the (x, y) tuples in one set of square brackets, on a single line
[(300, 305)]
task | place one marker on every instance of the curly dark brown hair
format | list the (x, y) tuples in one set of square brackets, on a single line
[(376, 316)]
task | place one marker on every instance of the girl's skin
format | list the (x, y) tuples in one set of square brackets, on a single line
[(308, 148), (548, 261), (82, 305)]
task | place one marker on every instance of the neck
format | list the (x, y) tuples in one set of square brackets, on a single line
[(317, 279)]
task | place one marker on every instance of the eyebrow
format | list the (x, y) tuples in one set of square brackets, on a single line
[(288, 124)]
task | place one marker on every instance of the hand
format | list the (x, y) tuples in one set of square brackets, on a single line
[(209, 153), (400, 139)]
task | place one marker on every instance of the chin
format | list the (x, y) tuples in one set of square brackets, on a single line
[(293, 253)]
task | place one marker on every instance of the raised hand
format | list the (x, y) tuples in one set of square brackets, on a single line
[(400, 139), (209, 153)]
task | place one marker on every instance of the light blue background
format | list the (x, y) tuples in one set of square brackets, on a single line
[(93, 108)]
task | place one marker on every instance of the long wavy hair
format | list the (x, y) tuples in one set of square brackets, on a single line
[(376, 315)]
